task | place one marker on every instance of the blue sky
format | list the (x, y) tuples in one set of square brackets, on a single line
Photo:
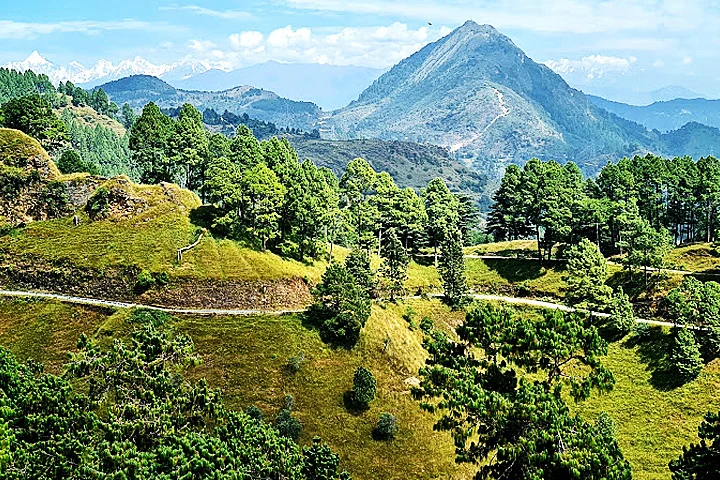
[(607, 47)]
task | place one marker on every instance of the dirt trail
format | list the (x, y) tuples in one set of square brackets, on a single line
[(231, 312), (504, 112)]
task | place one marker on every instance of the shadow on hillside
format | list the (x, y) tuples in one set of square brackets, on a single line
[(520, 253), (519, 270), (204, 216), (634, 285), (654, 350)]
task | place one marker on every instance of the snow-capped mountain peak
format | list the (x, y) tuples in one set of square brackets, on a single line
[(36, 59), (105, 70)]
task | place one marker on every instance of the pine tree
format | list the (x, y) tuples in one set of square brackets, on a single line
[(149, 146), (395, 265), (587, 273), (622, 317), (452, 269), (685, 356), (701, 461), (189, 147), (358, 266)]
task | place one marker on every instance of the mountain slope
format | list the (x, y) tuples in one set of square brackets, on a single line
[(666, 116), (330, 86), (138, 90), (475, 92), (410, 164)]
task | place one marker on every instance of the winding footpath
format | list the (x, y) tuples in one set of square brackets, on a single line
[(215, 311)]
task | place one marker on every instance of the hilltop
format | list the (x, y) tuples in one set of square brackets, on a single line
[(138, 90)]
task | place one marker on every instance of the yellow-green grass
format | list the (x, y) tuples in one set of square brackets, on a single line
[(247, 356), (520, 274), (150, 240), (88, 116), (654, 420), (45, 331), (698, 257), (511, 248)]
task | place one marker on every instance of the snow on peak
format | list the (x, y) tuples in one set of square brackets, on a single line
[(36, 59), (105, 70)]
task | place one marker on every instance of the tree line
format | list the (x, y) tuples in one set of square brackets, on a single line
[(262, 191), (637, 206)]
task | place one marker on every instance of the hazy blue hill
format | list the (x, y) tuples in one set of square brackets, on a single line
[(329, 86), (478, 94), (410, 164), (694, 139), (138, 90), (666, 116)]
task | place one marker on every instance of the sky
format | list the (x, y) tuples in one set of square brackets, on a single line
[(617, 48)]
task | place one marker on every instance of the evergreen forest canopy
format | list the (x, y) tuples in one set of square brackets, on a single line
[(639, 206)]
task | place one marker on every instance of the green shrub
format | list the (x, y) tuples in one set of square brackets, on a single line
[(364, 387), (161, 278), (427, 324), (145, 280), (287, 425), (145, 316), (295, 362), (53, 199), (70, 162), (622, 318), (642, 331), (320, 463), (98, 205), (685, 356), (254, 412), (386, 427)]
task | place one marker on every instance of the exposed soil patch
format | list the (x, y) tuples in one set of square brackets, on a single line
[(280, 294)]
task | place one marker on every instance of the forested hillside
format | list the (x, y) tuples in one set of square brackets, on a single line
[(138, 90)]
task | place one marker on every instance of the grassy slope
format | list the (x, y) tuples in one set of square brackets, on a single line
[(246, 357), (88, 116), (654, 420)]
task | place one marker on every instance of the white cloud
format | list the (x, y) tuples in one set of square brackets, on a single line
[(287, 37), (378, 47), (223, 14), (251, 39), (19, 30), (659, 63), (593, 66), (687, 61)]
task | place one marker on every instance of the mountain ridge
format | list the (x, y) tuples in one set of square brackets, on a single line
[(265, 105), (329, 86), (665, 116), (456, 92)]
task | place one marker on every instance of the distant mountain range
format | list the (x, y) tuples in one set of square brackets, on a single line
[(329, 86), (667, 115), (104, 70), (265, 105)]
